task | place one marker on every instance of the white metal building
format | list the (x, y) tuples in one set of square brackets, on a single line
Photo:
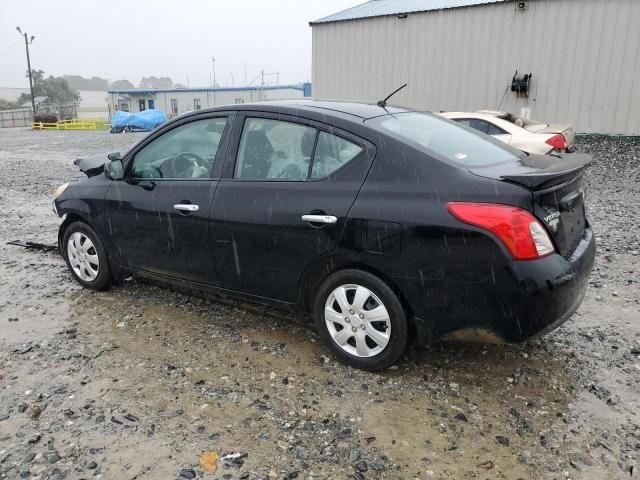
[(175, 101), (584, 57)]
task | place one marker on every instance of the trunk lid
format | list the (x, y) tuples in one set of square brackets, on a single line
[(566, 130), (556, 183)]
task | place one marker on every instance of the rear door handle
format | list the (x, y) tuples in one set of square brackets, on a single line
[(329, 219), (186, 207)]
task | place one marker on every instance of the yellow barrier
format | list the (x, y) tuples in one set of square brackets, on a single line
[(73, 124), (44, 126), (79, 125)]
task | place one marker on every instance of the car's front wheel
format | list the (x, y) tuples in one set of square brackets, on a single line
[(361, 319), (86, 256)]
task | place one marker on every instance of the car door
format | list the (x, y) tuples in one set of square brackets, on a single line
[(158, 216), (283, 201)]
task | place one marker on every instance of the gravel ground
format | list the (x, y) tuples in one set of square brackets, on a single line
[(140, 382)]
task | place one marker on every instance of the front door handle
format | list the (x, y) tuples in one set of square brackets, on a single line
[(186, 207), (329, 219)]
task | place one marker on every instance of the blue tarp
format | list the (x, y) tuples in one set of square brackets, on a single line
[(146, 120)]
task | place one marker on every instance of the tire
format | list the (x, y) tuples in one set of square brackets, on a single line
[(88, 263), (357, 337)]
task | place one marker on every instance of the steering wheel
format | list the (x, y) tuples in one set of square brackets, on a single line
[(186, 162)]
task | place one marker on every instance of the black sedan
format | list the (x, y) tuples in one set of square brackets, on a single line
[(386, 226)]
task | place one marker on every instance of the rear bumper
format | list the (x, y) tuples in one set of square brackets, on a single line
[(521, 301)]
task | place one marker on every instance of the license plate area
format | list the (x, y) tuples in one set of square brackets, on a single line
[(563, 212), (574, 223)]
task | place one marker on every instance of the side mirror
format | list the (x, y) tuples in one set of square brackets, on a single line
[(114, 170), (114, 156)]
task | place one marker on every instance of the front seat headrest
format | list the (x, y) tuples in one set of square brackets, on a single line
[(258, 145)]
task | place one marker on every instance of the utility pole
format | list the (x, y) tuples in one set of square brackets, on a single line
[(27, 42)]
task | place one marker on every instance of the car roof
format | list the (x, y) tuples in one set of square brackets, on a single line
[(346, 110)]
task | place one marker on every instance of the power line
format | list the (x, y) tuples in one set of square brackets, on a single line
[(10, 47)]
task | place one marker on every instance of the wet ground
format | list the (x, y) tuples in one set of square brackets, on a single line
[(139, 382)]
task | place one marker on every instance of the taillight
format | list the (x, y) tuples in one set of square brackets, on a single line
[(558, 142), (519, 231)]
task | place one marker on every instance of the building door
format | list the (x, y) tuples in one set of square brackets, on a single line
[(152, 104), (141, 105)]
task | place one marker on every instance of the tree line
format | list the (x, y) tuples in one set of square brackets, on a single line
[(78, 82), (64, 90)]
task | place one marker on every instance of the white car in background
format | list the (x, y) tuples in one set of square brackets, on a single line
[(521, 133)]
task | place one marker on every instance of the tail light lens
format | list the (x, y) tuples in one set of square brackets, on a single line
[(519, 231), (558, 142)]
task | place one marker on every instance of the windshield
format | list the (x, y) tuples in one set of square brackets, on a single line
[(443, 138)]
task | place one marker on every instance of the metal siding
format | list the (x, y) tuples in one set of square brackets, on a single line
[(584, 56)]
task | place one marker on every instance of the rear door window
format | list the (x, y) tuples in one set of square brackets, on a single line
[(281, 150), (274, 150), (332, 152), (493, 129), (443, 138), (482, 126)]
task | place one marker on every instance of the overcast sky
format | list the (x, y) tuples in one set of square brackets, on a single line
[(135, 38)]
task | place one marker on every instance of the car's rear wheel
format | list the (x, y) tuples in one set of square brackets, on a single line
[(361, 319), (86, 256)]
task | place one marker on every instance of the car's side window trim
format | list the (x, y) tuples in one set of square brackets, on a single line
[(502, 130), (491, 124), (312, 160), (234, 146), (470, 120), (216, 171)]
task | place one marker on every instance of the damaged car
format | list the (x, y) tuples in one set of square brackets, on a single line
[(384, 225)]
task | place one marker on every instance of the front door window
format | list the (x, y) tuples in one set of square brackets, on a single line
[(187, 151)]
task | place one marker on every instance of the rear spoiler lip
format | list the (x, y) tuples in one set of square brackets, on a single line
[(538, 172)]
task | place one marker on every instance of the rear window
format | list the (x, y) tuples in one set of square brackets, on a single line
[(454, 142)]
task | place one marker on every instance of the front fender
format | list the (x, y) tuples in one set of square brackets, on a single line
[(84, 201)]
